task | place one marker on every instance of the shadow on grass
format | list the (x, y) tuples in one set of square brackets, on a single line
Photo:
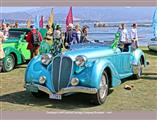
[(144, 76), (148, 78), (74, 101), (150, 52)]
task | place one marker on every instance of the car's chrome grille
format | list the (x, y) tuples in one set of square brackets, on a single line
[(62, 67)]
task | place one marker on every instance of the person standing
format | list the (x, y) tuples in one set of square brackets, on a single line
[(49, 34), (5, 29), (78, 30), (124, 33), (57, 42), (134, 36), (33, 38), (71, 36), (2, 54), (84, 34)]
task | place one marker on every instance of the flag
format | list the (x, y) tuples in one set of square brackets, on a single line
[(41, 22), (36, 22), (51, 18), (28, 23), (3, 21), (155, 23), (69, 18)]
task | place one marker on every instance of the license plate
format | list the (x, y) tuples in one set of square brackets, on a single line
[(32, 88), (55, 96)]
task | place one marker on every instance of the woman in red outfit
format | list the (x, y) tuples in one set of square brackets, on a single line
[(34, 49)]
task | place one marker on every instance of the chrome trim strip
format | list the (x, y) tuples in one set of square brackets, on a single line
[(61, 57), (78, 89), (65, 90), (40, 87)]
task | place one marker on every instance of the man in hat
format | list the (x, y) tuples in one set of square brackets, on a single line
[(71, 36), (33, 38)]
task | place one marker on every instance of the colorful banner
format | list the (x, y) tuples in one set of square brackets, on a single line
[(41, 22), (69, 18), (28, 23), (51, 18), (155, 23), (36, 22)]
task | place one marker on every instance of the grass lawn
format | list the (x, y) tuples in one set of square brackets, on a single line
[(143, 96)]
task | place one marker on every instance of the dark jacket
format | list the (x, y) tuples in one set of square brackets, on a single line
[(71, 37)]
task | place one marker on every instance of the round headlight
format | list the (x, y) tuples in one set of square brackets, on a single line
[(74, 81), (46, 59), (80, 60), (42, 79)]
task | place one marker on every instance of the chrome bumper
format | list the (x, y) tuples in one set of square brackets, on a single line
[(63, 90)]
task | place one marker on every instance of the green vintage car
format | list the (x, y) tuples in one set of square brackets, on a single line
[(15, 48)]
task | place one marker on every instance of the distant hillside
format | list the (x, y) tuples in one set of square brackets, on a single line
[(106, 14)]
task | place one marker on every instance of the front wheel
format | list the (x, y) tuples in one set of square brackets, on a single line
[(100, 97), (9, 63)]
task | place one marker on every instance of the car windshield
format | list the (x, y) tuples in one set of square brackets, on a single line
[(102, 38), (15, 34)]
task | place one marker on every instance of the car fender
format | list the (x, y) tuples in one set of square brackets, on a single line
[(35, 70), (137, 55), (98, 69), (9, 50)]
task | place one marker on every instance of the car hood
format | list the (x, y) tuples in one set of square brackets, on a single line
[(90, 52)]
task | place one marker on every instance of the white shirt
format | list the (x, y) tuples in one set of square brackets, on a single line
[(57, 34), (124, 35), (134, 34), (79, 35)]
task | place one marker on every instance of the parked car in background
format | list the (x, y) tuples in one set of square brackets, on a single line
[(90, 68), (15, 48), (152, 44)]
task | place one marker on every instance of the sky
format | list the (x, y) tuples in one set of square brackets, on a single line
[(18, 9), (15, 9)]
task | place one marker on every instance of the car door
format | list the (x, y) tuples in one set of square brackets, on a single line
[(121, 61), (125, 62), (22, 47)]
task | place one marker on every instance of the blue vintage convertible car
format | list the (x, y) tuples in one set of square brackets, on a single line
[(90, 68)]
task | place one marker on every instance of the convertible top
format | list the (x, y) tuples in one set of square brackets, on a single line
[(20, 29), (41, 30)]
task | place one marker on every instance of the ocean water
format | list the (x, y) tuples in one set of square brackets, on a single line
[(145, 33), (108, 33)]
